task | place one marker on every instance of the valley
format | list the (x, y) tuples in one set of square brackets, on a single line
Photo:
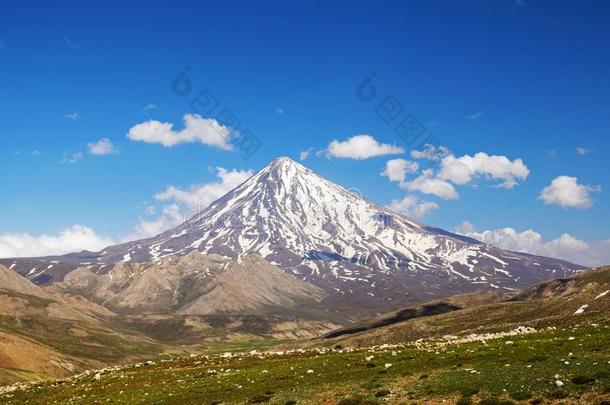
[(549, 343), (292, 288), (519, 367)]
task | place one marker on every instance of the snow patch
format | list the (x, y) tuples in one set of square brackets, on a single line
[(602, 294), (581, 309)]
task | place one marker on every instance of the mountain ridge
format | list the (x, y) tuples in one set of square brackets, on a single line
[(357, 251)]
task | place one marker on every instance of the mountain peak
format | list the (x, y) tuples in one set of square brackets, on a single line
[(283, 170), (283, 161)]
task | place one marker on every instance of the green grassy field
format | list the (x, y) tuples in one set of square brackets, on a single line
[(497, 372)]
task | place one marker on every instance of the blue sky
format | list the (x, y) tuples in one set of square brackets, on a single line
[(525, 80)]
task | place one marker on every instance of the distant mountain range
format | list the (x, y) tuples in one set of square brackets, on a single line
[(338, 250)]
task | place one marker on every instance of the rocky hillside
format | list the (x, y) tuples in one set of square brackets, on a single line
[(582, 299), (144, 311), (194, 284)]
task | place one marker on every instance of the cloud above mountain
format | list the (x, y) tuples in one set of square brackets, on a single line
[(149, 225), (465, 169), (201, 195), (412, 206), (566, 192), (360, 147), (102, 147), (448, 171), (566, 246), (397, 169), (181, 203), (431, 152), (427, 183), (206, 131), (72, 239)]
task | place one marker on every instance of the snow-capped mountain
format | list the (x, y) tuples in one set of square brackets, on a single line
[(329, 236)]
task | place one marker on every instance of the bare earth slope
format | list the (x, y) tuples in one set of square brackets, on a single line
[(194, 284), (582, 298), (44, 335), (182, 304)]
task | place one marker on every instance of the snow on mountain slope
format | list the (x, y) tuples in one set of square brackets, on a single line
[(11, 281), (332, 237)]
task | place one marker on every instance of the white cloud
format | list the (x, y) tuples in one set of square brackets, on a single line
[(450, 171), (566, 247), (183, 203), (423, 208), (69, 43), (305, 154), (150, 210), (171, 216), (280, 111), (72, 239), (582, 151), (361, 147), (431, 152), (428, 184), (411, 206), (201, 195), (73, 116), (196, 129), (397, 169), (74, 158), (149, 107), (552, 154), (464, 169), (567, 193), (102, 147), (475, 116)]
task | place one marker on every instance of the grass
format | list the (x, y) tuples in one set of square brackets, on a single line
[(33, 301), (101, 345), (494, 373)]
